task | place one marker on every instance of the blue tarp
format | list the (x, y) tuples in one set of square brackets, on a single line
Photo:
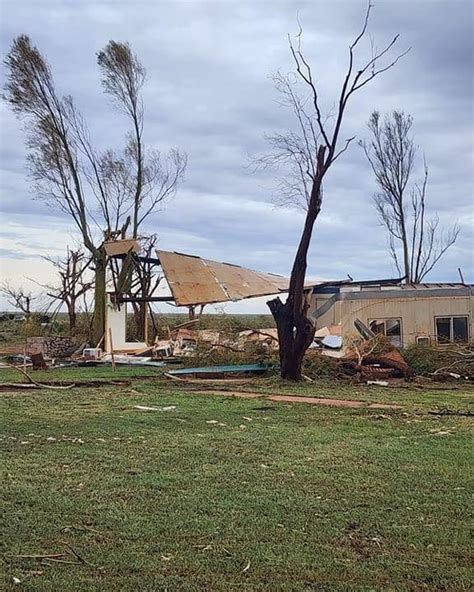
[(219, 369)]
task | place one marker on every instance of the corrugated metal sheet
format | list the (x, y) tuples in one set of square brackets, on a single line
[(193, 280), (216, 370)]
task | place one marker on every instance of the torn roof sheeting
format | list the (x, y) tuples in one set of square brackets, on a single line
[(193, 280)]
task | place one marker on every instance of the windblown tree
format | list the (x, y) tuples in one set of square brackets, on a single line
[(108, 193), (73, 282), (416, 242), (292, 153), (295, 329)]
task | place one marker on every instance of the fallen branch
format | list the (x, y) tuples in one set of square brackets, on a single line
[(88, 528), (76, 554), (439, 370), (46, 556), (168, 375), (48, 559), (227, 346), (39, 384), (12, 386), (452, 412)]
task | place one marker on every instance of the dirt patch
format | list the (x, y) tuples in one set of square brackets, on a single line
[(239, 394), (203, 382), (384, 406), (331, 402), (297, 399), (316, 401)]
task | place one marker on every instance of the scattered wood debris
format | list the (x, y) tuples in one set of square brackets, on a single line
[(69, 556), (145, 408)]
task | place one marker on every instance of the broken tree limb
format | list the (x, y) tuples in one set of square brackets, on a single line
[(452, 412), (227, 346), (455, 363), (99, 343), (40, 556), (39, 384), (76, 554)]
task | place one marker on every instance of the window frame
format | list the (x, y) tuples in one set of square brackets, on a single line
[(451, 327), (384, 320)]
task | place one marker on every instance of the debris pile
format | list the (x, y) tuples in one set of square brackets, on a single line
[(329, 341), (268, 338), (51, 346), (377, 366), (363, 356), (441, 362)]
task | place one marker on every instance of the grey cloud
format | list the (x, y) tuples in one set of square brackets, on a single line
[(209, 93)]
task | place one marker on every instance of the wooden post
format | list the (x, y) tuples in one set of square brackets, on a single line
[(145, 328), (25, 324), (101, 340), (111, 348)]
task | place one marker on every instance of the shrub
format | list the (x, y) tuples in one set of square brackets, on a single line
[(427, 358)]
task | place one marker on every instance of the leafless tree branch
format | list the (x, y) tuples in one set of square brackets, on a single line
[(391, 154), (295, 330)]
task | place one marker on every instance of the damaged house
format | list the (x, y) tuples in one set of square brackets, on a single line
[(405, 313)]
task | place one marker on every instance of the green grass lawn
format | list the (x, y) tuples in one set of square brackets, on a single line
[(225, 494)]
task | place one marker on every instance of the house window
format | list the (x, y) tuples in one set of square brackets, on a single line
[(423, 339), (449, 329), (391, 328)]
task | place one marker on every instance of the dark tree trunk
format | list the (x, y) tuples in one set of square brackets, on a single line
[(98, 327), (71, 311), (295, 330), (140, 312), (295, 335)]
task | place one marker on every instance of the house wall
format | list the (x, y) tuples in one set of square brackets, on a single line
[(417, 313), (116, 321)]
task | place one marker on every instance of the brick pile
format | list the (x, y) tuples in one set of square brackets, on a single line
[(51, 346)]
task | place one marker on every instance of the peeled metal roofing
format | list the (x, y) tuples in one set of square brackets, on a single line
[(193, 280)]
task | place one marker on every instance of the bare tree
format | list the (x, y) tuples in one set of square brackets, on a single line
[(19, 298), (73, 282), (106, 193), (391, 153), (295, 329), (292, 152), (146, 281)]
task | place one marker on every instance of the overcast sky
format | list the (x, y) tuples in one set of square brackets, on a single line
[(209, 93)]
